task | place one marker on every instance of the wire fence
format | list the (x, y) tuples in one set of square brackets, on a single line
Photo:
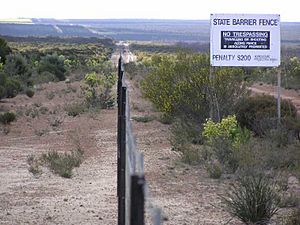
[(133, 191)]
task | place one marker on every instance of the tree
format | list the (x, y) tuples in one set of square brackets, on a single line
[(4, 50)]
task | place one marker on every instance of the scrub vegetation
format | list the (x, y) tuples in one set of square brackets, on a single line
[(217, 124), (31, 63)]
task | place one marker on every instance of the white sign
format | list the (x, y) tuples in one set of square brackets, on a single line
[(245, 40)]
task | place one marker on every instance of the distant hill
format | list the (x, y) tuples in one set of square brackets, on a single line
[(129, 29)]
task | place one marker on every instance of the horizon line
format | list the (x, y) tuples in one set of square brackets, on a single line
[(169, 19)]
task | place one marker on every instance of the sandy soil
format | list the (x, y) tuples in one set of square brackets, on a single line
[(89, 197)]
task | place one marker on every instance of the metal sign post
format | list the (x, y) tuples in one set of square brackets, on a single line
[(278, 97)]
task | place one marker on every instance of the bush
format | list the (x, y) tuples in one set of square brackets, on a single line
[(227, 128), (53, 64), (17, 67), (253, 200), (184, 132), (143, 119), (259, 113), (2, 91), (12, 87), (98, 90), (7, 118), (180, 84), (225, 139), (63, 163), (75, 109), (44, 77), (30, 93), (214, 169), (4, 50)]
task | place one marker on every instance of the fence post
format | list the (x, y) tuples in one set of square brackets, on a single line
[(137, 210), (121, 135), (122, 194), (119, 90)]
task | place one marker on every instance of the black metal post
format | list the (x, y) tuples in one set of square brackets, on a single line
[(122, 176), (119, 92), (121, 136), (137, 209)]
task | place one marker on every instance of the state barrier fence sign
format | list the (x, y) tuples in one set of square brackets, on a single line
[(245, 40)]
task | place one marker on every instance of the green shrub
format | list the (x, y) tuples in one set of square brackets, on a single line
[(53, 64), (98, 90), (265, 154), (227, 154), (44, 77), (180, 84), (228, 128), (12, 87), (7, 118), (17, 67), (191, 154), (214, 169), (253, 200), (180, 87), (75, 109), (44, 110), (143, 119), (259, 113), (4, 50), (165, 119), (2, 91), (225, 139), (30, 93), (184, 132), (63, 163)]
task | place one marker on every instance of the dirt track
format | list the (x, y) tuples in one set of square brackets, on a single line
[(292, 95)]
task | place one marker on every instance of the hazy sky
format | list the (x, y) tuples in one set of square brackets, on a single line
[(149, 9)]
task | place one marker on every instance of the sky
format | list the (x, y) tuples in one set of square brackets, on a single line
[(145, 9)]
